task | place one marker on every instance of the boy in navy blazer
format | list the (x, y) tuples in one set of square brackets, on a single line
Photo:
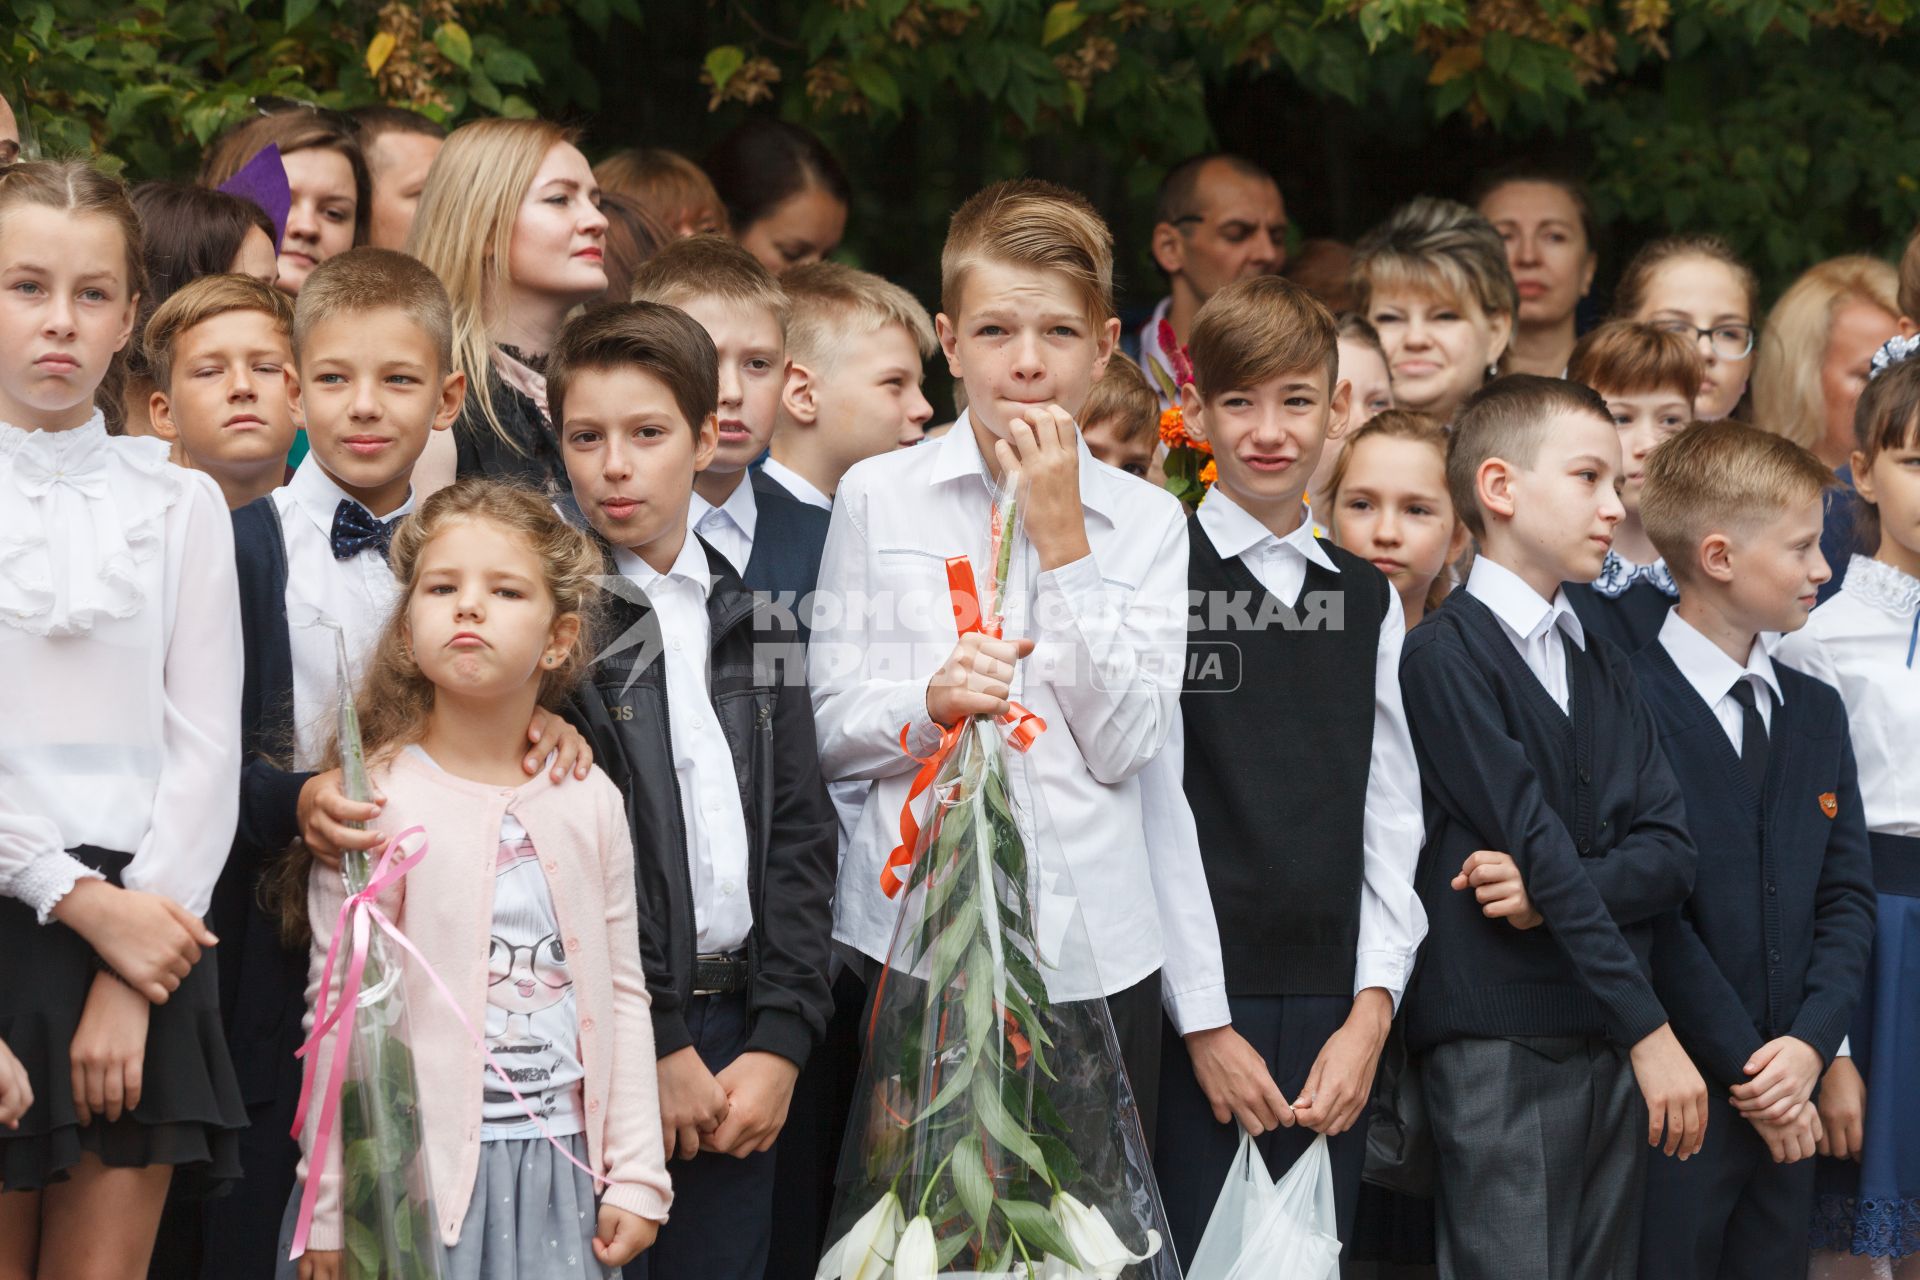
[(771, 538), (1762, 965)]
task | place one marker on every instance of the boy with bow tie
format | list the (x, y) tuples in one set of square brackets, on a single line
[(372, 346)]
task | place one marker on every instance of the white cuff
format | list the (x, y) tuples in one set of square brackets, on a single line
[(1201, 1009), (1387, 969), (47, 879), (1846, 1048), (907, 709)]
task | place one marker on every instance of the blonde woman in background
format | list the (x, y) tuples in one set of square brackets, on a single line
[(510, 221), (1817, 350)]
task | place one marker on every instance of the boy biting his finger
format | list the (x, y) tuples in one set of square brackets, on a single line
[(1094, 611)]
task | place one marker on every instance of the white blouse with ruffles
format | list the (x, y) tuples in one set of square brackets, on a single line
[(120, 666), (1865, 642)]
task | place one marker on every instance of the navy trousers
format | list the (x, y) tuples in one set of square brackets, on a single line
[(1729, 1212), (1195, 1151), (721, 1224)]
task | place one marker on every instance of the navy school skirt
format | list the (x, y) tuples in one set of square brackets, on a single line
[(190, 1114)]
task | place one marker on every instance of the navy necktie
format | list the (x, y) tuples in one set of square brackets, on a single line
[(1754, 747), (355, 530)]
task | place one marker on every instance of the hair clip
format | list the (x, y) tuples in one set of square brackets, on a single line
[(1894, 351)]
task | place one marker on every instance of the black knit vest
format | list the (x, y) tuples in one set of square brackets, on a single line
[(1278, 705)]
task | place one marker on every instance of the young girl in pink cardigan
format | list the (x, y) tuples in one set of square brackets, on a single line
[(524, 904)]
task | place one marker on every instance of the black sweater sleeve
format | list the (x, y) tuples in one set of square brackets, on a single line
[(1651, 869), (1480, 773), (1708, 1014), (793, 924)]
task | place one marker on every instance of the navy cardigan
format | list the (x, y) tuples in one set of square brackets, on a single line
[(1584, 803), (262, 982), (1776, 936), (788, 537)]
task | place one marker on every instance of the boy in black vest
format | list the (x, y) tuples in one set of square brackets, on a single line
[(1309, 842), (1762, 966), (709, 735), (372, 342), (1555, 837)]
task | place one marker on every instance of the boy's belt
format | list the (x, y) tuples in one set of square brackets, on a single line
[(720, 975)]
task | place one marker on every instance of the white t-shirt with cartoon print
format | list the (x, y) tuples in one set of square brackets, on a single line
[(533, 1026)]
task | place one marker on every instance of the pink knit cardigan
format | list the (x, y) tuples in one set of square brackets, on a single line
[(445, 907)]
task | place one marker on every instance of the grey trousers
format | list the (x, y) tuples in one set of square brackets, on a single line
[(1542, 1146)]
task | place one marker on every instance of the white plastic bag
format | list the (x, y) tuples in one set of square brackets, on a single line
[(1262, 1230)]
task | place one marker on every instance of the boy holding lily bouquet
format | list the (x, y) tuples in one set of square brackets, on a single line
[(1312, 890), (1094, 618)]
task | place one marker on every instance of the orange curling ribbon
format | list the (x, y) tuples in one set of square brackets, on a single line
[(1022, 725)]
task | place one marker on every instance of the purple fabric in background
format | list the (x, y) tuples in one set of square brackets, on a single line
[(263, 180)]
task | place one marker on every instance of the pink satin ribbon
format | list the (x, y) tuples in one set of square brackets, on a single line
[(357, 916)]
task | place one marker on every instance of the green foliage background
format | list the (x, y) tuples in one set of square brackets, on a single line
[(1781, 124)]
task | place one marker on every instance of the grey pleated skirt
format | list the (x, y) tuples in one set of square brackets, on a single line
[(532, 1217)]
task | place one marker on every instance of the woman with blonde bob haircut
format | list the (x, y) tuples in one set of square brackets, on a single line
[(510, 221), (1818, 347), (1433, 281)]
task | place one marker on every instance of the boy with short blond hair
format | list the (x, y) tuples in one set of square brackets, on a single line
[(221, 353), (1094, 626), (714, 749), (1312, 898), (1121, 421), (1764, 962), (771, 538), (1555, 837), (855, 343), (372, 345), (1649, 377)]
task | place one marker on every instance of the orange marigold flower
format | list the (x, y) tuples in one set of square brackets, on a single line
[(1173, 428), (1209, 473), (1201, 446)]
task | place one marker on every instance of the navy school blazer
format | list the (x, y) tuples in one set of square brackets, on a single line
[(1776, 936)]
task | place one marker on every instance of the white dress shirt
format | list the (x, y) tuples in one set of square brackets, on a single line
[(729, 526), (357, 594), (1392, 921), (716, 824), (1110, 633), (1533, 624), (1713, 674), (120, 667), (795, 483)]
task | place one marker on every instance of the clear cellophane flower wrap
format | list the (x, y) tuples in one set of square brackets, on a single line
[(389, 1228), (994, 1132)]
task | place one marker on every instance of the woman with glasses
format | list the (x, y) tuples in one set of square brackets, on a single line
[(325, 170), (1697, 287)]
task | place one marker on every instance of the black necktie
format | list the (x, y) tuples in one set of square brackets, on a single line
[(355, 530), (1754, 746)]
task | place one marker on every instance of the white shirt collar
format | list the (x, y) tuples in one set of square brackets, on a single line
[(739, 507), (320, 495), (1518, 606), (796, 484), (1234, 531), (1706, 665), (957, 456), (689, 567)]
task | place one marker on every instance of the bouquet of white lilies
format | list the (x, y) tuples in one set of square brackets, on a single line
[(995, 1132)]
